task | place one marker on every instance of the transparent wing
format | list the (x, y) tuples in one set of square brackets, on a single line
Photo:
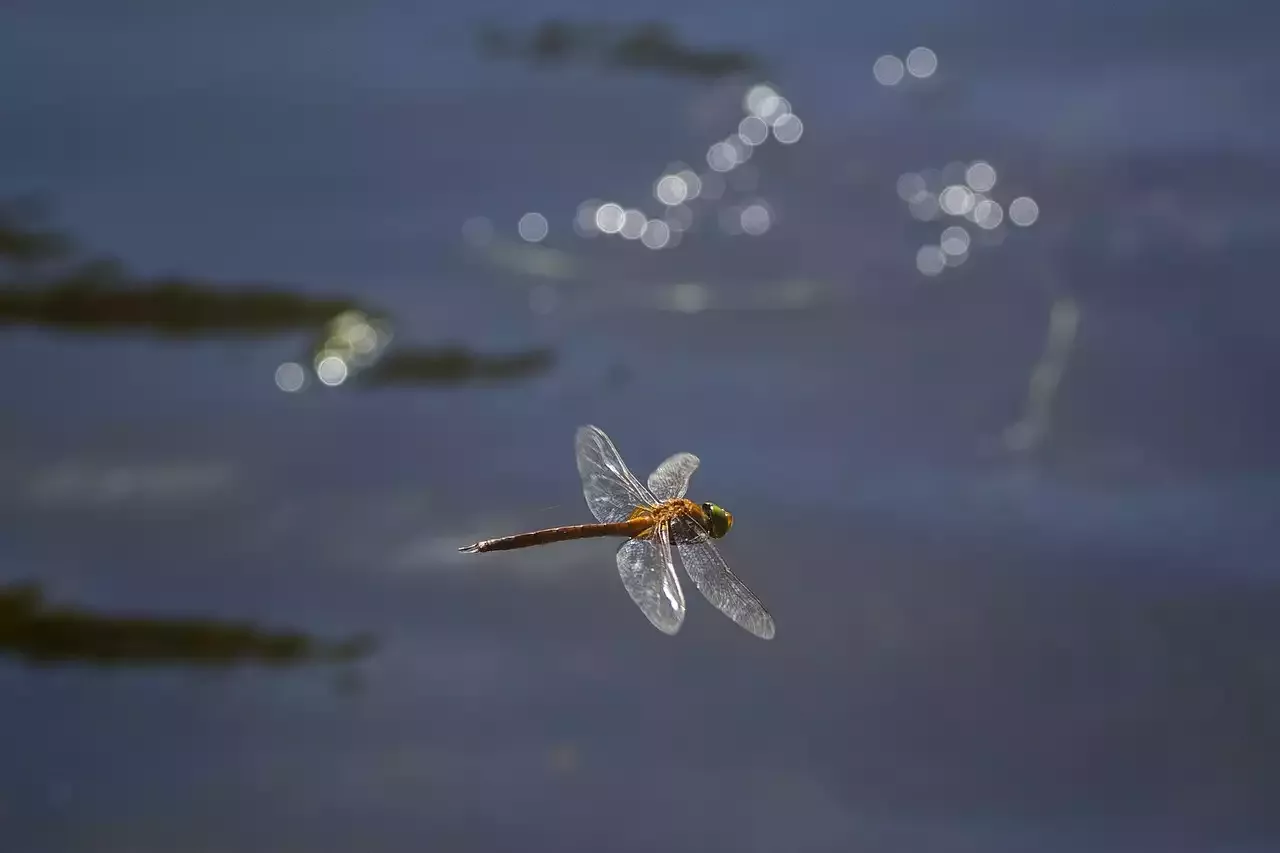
[(671, 478), (649, 574), (612, 492), (714, 580)]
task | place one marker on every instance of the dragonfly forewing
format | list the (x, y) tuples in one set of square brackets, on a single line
[(611, 490), (649, 574), (671, 478), (716, 582)]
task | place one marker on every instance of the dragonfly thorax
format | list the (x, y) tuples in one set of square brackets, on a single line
[(708, 516)]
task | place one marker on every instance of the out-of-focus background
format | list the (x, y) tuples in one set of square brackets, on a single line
[(969, 309)]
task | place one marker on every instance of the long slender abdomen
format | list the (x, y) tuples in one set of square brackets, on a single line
[(628, 529)]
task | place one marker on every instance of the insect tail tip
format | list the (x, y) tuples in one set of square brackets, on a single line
[(470, 549)]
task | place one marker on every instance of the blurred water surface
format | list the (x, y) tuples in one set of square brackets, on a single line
[(1017, 522)]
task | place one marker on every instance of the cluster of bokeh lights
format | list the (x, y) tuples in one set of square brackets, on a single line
[(767, 115), (353, 343), (920, 62), (961, 191)]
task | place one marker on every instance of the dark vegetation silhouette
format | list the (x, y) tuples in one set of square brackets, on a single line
[(46, 282), (96, 296), (647, 46), (455, 364), (41, 633)]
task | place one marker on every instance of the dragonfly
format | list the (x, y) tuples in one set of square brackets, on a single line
[(653, 518)]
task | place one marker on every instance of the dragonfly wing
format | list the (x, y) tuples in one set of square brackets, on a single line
[(649, 574), (671, 478), (612, 492), (719, 585)]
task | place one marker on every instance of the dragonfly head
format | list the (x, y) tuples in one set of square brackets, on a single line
[(718, 520)]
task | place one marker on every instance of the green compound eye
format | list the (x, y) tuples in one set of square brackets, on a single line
[(718, 520)]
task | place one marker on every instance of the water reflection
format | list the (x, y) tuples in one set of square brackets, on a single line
[(41, 633), (24, 240), (456, 364), (49, 287), (649, 46), (98, 296), (986, 655)]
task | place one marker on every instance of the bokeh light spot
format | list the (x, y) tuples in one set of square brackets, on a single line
[(692, 183), (755, 219), (753, 130), (956, 200), (888, 70), (1024, 211), (954, 240), (290, 377), (910, 186), (722, 156), (773, 110), (760, 100), (533, 227), (656, 234), (930, 260), (331, 370), (609, 218), (671, 190), (633, 222), (788, 129), (988, 214), (584, 221), (922, 62), (980, 176)]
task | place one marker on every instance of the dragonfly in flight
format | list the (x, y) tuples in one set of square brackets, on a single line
[(653, 518)]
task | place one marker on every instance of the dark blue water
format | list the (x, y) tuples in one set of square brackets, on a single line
[(1070, 647)]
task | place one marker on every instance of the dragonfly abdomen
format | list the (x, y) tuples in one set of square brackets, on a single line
[(632, 527)]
